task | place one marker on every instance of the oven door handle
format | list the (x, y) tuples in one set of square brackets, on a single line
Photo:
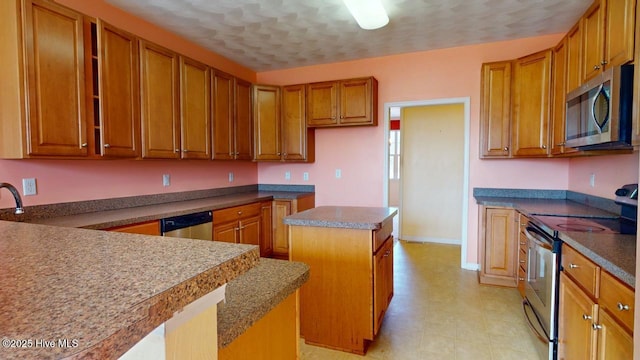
[(534, 235), (542, 337)]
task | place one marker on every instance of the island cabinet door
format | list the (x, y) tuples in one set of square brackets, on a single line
[(383, 282)]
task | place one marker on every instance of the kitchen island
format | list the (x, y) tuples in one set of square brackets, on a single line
[(86, 294), (349, 251)]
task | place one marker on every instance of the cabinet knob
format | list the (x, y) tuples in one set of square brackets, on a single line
[(177, 150), (523, 243), (333, 118), (239, 212), (586, 317), (84, 144), (604, 62), (544, 146), (596, 326), (573, 266), (279, 154), (521, 279), (285, 154), (596, 67), (623, 307), (522, 261), (185, 150), (341, 116), (107, 146), (506, 148), (387, 253)]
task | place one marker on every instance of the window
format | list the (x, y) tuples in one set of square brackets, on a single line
[(394, 154)]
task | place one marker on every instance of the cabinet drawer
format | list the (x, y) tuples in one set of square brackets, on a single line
[(582, 270), (380, 235), (617, 299), (236, 213)]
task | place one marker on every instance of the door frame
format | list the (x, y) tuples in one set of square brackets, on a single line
[(466, 101)]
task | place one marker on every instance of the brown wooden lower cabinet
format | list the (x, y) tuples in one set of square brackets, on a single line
[(350, 287), (146, 228), (281, 209), (239, 224), (498, 249), (275, 336)]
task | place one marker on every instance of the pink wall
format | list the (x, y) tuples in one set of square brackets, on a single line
[(610, 171), (428, 75)]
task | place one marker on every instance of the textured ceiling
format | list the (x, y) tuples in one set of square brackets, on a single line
[(276, 34)]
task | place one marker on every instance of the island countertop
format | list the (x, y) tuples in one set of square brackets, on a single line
[(347, 217), (100, 292)]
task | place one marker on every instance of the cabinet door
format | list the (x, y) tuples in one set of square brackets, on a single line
[(593, 40), (223, 116), (54, 45), (250, 231), (500, 250), (281, 208), (294, 127), (382, 282), (619, 41), (266, 121), (531, 105), (576, 315), (495, 109), (613, 341), (226, 232), (358, 103), (560, 74), (322, 104), (266, 231), (195, 109), (160, 102), (243, 133), (574, 57), (119, 92)]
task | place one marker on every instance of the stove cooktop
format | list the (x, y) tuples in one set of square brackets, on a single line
[(593, 225)]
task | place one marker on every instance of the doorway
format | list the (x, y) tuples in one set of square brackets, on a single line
[(428, 160)]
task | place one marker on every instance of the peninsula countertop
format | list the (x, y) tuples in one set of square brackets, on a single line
[(101, 291), (347, 217)]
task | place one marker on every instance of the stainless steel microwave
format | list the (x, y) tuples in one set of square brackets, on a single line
[(599, 111)]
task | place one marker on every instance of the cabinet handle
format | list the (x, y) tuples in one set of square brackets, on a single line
[(523, 243), (586, 317), (177, 150), (387, 253), (506, 148), (237, 229), (333, 118), (106, 146), (521, 279), (185, 150), (279, 154), (604, 62), (84, 144), (544, 146), (623, 307), (522, 261), (561, 144), (596, 67), (239, 212), (241, 228), (573, 266), (596, 326)]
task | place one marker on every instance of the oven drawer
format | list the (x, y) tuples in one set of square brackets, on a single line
[(582, 270), (617, 299)]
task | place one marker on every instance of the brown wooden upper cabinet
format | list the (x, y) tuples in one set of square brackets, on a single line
[(160, 102), (195, 106), (531, 104), (279, 119), (574, 57), (44, 99), (232, 133), (342, 103), (607, 35), (116, 104), (495, 110), (559, 95)]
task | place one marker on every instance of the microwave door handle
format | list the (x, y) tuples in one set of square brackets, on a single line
[(542, 337)]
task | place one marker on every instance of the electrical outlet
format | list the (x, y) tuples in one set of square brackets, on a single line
[(287, 175), (166, 180), (338, 173), (230, 176), (305, 176), (29, 187)]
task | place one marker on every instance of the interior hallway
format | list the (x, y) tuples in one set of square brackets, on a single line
[(439, 311)]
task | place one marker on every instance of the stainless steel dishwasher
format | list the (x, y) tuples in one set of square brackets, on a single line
[(192, 226)]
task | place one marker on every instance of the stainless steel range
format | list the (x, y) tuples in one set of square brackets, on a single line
[(543, 261)]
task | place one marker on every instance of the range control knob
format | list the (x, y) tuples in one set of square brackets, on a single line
[(622, 192)]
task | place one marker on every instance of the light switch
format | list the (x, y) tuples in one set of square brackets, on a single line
[(338, 173), (166, 180)]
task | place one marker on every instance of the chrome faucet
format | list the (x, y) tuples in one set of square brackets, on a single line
[(16, 197)]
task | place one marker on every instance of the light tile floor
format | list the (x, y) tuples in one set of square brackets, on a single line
[(439, 311)]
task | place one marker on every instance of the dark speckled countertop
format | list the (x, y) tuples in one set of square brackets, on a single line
[(106, 290), (349, 217), (615, 253)]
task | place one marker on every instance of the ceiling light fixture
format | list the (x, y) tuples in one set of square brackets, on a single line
[(369, 14)]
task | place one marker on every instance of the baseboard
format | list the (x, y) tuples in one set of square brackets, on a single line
[(471, 266), (431, 240)]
